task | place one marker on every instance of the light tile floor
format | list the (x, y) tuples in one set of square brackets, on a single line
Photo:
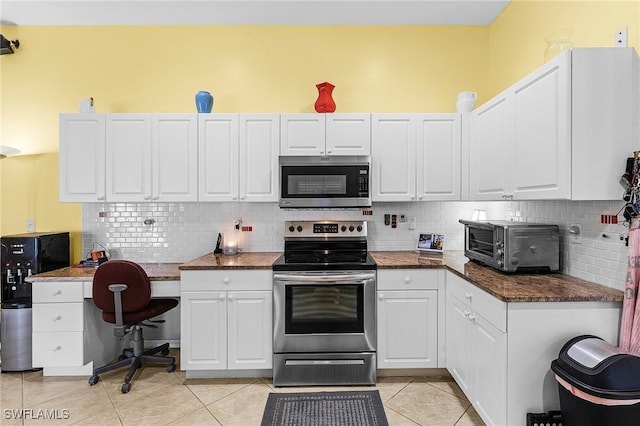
[(161, 398)]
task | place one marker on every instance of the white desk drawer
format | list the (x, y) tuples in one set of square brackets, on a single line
[(408, 279), (57, 317), (57, 291), (58, 349)]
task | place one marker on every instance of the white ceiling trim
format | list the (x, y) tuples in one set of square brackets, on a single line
[(250, 12)]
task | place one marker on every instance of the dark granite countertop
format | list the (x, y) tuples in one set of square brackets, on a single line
[(506, 287), (242, 260), (155, 271)]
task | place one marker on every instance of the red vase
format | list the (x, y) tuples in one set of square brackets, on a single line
[(325, 102)]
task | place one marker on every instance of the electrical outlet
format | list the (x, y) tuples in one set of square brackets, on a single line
[(575, 233), (31, 225), (412, 222), (403, 218), (620, 39)]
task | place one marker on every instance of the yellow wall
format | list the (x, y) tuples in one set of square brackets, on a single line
[(246, 68), (516, 37), (30, 187), (258, 69)]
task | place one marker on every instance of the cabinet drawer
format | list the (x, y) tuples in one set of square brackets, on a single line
[(55, 291), (57, 317), (409, 279), (228, 279), (58, 349), (484, 304)]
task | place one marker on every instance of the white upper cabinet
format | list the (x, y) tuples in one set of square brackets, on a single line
[(416, 157), (259, 147), (393, 159), (438, 149), (129, 157), (325, 134), (151, 157), (175, 157), (348, 134), (488, 151), (82, 158), (218, 157), (238, 156), (547, 135)]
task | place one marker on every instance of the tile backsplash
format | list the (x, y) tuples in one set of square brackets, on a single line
[(178, 232)]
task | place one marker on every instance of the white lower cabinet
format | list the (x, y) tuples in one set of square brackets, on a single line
[(407, 316), (500, 353), (226, 320), (477, 349), (69, 336)]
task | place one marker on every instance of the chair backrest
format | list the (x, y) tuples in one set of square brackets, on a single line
[(134, 298)]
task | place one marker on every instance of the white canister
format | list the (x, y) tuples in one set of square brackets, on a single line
[(465, 101)]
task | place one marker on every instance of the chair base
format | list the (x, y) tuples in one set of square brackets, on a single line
[(135, 361)]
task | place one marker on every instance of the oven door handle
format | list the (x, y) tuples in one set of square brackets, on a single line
[(342, 278)]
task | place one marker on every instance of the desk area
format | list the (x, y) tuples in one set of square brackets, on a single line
[(69, 335)]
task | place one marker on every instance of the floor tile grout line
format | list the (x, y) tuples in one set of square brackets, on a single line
[(400, 414)]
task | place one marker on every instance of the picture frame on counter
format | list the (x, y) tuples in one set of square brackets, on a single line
[(430, 242)]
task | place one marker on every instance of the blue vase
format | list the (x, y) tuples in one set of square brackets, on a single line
[(204, 102)]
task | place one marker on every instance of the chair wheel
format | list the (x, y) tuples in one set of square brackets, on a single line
[(93, 380), (165, 352), (171, 368), (125, 388)]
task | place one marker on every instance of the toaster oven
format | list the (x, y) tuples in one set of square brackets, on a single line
[(513, 246)]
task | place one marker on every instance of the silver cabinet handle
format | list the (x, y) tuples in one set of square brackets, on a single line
[(57, 348), (57, 318)]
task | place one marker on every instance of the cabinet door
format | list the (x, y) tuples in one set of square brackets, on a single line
[(175, 157), (489, 371), (541, 145), (489, 159), (439, 142), (218, 157), (250, 330), (348, 134), (407, 329), (259, 147), (203, 330), (82, 158), (128, 157), (459, 343), (393, 157), (302, 134)]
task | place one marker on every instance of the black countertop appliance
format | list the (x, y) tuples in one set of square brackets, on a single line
[(24, 255)]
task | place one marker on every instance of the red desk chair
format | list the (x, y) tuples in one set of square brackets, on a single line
[(121, 289)]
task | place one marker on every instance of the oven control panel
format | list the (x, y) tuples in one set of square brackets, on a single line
[(326, 228)]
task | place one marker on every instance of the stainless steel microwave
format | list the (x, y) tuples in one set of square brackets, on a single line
[(513, 246), (324, 182)]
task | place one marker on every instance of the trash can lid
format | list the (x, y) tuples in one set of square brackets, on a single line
[(598, 368)]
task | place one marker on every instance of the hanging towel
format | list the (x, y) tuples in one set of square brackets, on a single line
[(630, 324)]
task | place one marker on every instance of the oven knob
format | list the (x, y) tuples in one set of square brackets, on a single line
[(499, 253), (291, 228), (351, 228), (499, 263), (299, 228), (359, 228), (343, 229)]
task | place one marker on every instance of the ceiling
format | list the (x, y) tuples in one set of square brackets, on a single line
[(250, 12)]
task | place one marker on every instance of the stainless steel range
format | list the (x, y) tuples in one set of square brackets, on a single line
[(324, 289)]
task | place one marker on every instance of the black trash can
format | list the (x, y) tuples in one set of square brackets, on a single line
[(598, 383)]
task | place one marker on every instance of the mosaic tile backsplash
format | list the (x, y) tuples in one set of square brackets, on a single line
[(178, 232)]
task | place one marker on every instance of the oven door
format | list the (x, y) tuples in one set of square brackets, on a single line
[(482, 242), (317, 182), (324, 312)]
